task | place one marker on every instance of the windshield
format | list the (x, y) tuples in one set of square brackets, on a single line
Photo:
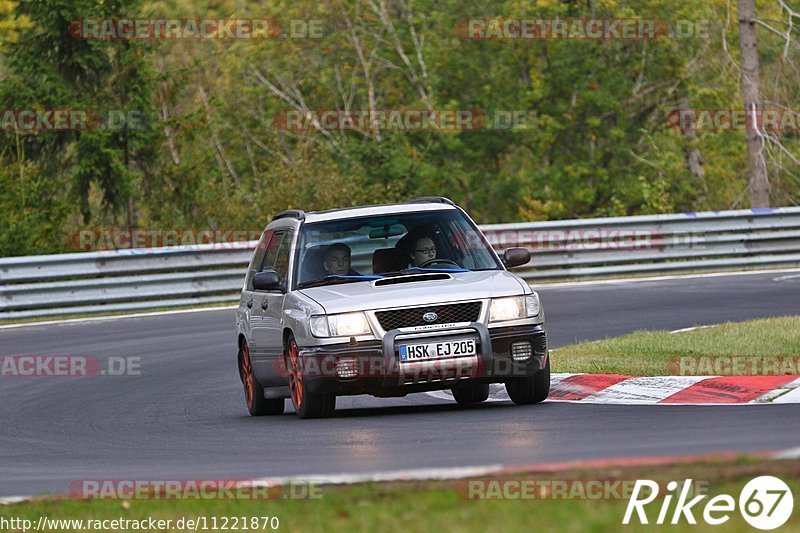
[(365, 248)]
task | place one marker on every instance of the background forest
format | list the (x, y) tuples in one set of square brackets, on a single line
[(205, 151)]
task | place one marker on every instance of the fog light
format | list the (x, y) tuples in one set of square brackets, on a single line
[(521, 350), (346, 367)]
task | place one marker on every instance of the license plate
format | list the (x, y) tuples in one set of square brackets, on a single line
[(437, 350)]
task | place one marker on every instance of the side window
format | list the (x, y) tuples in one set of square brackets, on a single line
[(258, 257), (272, 251), (282, 257), (278, 251)]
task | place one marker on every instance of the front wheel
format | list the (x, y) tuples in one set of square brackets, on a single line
[(253, 391), (530, 389), (306, 404), (471, 393)]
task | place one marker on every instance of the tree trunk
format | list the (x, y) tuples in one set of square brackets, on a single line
[(131, 214), (694, 159), (759, 183)]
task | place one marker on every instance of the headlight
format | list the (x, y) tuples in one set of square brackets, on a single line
[(348, 324), (319, 326), (344, 325), (514, 308), (507, 309)]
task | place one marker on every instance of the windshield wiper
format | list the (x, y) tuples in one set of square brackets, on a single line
[(415, 270), (440, 269), (335, 278)]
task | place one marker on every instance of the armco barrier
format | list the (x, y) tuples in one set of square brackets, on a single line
[(146, 278)]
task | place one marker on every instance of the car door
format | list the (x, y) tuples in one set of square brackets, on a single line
[(267, 311), (245, 310)]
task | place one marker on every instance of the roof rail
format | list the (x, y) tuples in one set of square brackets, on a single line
[(299, 214), (431, 199)]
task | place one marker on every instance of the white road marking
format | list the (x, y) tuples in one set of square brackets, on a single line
[(791, 453), (459, 472), (771, 396), (784, 278), (660, 278), (116, 317), (646, 390), (420, 474), (643, 389), (9, 500), (793, 396), (683, 330)]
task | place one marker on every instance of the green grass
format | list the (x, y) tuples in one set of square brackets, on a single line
[(438, 506), (653, 353)]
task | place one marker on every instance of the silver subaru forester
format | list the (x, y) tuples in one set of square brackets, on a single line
[(385, 300)]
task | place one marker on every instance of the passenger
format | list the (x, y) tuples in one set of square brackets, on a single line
[(337, 261)]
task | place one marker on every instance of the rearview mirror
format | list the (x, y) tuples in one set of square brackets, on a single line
[(514, 257), (385, 233), (267, 280)]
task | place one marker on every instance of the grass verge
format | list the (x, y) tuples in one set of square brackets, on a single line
[(444, 505), (764, 346)]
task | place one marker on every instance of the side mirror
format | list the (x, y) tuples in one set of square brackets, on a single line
[(268, 280), (514, 257)]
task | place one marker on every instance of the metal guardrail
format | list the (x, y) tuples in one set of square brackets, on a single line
[(146, 278)]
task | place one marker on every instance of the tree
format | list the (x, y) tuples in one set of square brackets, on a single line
[(51, 69), (751, 87)]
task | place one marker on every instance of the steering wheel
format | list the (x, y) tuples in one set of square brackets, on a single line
[(434, 261)]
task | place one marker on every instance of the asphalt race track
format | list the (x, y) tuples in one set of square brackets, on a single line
[(184, 417)]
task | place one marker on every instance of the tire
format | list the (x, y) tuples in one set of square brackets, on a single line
[(471, 393), (306, 404), (253, 391), (530, 389)]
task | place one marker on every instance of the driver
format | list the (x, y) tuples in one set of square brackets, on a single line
[(423, 250), (337, 261)]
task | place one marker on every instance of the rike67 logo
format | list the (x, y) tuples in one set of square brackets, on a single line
[(766, 503)]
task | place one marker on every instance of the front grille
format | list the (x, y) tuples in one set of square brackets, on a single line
[(445, 314)]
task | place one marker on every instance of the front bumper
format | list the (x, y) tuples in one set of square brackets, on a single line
[(374, 367)]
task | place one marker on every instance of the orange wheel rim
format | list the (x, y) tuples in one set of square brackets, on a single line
[(295, 375), (247, 375)]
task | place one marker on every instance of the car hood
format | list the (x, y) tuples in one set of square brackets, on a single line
[(364, 295)]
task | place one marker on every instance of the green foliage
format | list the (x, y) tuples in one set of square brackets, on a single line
[(593, 139), (49, 69), (31, 212)]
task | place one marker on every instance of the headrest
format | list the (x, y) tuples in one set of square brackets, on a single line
[(388, 260)]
